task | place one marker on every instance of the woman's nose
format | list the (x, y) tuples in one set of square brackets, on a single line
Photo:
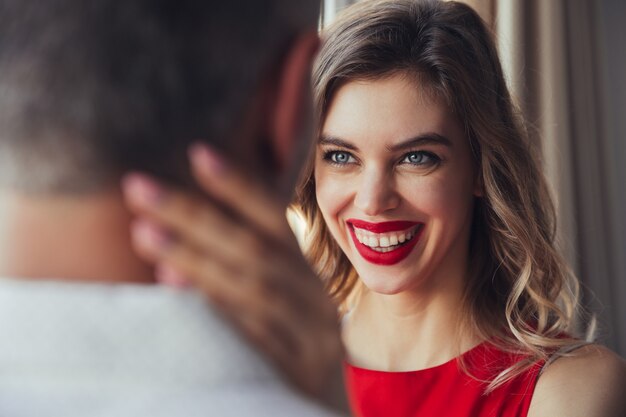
[(377, 193)]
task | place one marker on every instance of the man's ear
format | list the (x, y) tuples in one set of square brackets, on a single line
[(292, 97)]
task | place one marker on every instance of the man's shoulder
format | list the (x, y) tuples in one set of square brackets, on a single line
[(143, 331)]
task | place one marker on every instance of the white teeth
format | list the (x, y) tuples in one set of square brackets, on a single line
[(383, 250), (383, 242)]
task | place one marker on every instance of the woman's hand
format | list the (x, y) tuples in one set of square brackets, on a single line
[(243, 256)]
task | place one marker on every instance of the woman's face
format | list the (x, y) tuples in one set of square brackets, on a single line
[(395, 183)]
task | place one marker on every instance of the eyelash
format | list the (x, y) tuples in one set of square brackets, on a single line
[(328, 157), (434, 160)]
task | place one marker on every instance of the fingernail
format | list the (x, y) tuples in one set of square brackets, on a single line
[(150, 236), (142, 188), (206, 159), (167, 275)]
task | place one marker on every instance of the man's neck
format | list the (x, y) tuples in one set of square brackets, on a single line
[(83, 238)]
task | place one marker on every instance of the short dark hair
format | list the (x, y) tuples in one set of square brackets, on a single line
[(92, 88)]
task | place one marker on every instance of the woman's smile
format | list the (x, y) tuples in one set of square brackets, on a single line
[(385, 243)]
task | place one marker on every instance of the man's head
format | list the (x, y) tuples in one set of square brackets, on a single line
[(90, 89)]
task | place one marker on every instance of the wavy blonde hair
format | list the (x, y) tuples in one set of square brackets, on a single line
[(521, 295)]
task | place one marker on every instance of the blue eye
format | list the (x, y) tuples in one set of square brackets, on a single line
[(420, 158), (339, 157)]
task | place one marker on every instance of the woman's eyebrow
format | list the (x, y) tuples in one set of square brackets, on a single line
[(331, 140), (423, 139)]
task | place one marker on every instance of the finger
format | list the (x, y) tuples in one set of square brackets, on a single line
[(156, 245), (245, 196), (201, 224), (211, 272), (274, 276), (167, 275), (209, 229)]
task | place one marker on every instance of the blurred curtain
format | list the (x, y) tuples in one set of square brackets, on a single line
[(562, 61)]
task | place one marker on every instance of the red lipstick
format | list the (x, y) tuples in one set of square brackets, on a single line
[(393, 256)]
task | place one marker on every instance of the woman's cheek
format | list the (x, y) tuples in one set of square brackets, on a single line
[(442, 199), (332, 197)]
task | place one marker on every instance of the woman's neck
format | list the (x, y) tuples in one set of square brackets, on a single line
[(412, 330), (85, 238)]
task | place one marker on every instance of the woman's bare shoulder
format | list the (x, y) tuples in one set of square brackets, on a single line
[(590, 383)]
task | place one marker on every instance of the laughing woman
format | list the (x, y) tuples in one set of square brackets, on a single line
[(431, 226)]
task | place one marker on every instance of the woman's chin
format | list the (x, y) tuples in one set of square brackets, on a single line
[(385, 285)]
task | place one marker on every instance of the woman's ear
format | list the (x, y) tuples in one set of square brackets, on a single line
[(291, 106)]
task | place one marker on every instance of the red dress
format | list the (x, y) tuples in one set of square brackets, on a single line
[(444, 390)]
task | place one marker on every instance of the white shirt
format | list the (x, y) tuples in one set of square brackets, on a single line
[(82, 349)]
